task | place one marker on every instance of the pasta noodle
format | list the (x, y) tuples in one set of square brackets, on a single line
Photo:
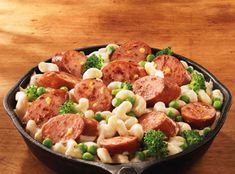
[(45, 67), (92, 73)]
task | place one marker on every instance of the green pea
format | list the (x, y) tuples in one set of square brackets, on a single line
[(40, 91), (140, 155), (98, 117), (174, 104), (82, 147), (171, 114), (206, 131), (118, 101), (87, 156), (131, 99), (216, 99), (64, 88), (115, 91), (142, 63), (217, 105), (179, 118), (190, 69), (131, 113), (185, 98), (150, 57), (47, 142), (92, 149)]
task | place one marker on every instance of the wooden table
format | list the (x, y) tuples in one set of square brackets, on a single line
[(30, 32)]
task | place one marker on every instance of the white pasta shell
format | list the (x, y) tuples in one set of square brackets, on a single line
[(203, 97), (46, 67), (104, 155)]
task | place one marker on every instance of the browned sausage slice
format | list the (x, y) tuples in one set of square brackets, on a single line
[(134, 50), (91, 127), (198, 114), (45, 106), (71, 61), (156, 120), (120, 144), (57, 79), (172, 69), (154, 89), (63, 127), (96, 92), (122, 71)]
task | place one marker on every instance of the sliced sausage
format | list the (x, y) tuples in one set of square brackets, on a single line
[(120, 144), (173, 69), (134, 50), (57, 59), (156, 120), (45, 106), (91, 127), (56, 79), (122, 71), (63, 127), (96, 92), (154, 89), (198, 114), (72, 62)]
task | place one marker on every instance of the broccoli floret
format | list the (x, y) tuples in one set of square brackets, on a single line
[(192, 137), (68, 107), (197, 82), (93, 62), (126, 85), (153, 141), (166, 51), (31, 92)]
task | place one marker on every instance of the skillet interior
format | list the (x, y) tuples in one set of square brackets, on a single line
[(65, 164)]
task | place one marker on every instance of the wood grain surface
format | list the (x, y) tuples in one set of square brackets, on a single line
[(203, 30)]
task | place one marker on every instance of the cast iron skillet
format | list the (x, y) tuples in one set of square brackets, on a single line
[(63, 164)]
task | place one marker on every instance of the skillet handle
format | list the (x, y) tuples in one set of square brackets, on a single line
[(126, 170)]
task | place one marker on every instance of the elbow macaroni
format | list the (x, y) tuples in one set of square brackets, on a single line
[(71, 150), (122, 109), (203, 96), (59, 147), (209, 87), (114, 85), (22, 104), (137, 131), (151, 70), (184, 126), (92, 73), (104, 155), (217, 94), (46, 67), (83, 104), (121, 128), (160, 106), (31, 127), (140, 106), (192, 95), (34, 78)]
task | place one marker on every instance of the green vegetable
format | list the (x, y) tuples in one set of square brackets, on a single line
[(31, 92), (98, 117), (192, 137), (190, 69), (184, 146), (111, 48), (217, 104), (174, 104), (155, 144), (140, 155), (115, 91), (179, 118), (142, 63), (150, 57), (206, 131), (146, 153), (166, 51), (93, 62), (92, 149), (171, 114), (47, 142), (118, 101), (185, 98), (126, 85), (131, 113), (107, 118), (82, 147), (215, 99), (64, 88), (68, 107), (197, 82), (41, 90), (87, 156), (131, 99)]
